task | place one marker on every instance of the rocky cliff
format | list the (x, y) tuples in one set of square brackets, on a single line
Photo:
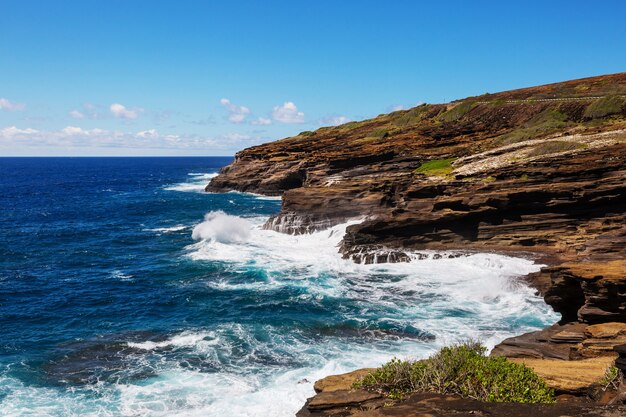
[(539, 170)]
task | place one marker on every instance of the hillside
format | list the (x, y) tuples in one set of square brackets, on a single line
[(470, 173), (539, 171)]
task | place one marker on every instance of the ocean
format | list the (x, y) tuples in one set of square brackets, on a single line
[(126, 290)]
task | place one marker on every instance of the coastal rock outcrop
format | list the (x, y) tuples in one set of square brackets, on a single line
[(539, 171)]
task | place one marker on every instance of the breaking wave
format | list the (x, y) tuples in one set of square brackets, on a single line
[(195, 184)]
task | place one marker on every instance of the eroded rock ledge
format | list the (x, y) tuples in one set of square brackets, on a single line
[(540, 170)]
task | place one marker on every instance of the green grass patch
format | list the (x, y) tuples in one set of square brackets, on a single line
[(438, 167), (604, 106), (411, 117), (457, 111), (546, 122), (460, 370), (554, 146), (379, 133)]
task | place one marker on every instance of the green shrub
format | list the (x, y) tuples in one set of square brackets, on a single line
[(604, 106), (379, 133), (439, 167), (546, 122), (412, 116), (457, 111), (306, 133), (460, 370), (553, 146), (611, 379)]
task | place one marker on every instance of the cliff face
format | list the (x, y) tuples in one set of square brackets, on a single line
[(539, 170), (500, 170)]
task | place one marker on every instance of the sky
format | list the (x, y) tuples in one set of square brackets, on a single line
[(150, 77)]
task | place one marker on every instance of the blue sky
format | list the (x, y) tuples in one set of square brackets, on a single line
[(210, 78)]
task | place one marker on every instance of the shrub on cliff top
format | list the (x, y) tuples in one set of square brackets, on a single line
[(460, 370), (604, 106), (457, 111)]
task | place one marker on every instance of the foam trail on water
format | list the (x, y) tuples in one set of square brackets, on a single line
[(196, 183), (176, 228)]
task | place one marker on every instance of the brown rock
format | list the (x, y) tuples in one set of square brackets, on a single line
[(334, 399), (606, 330), (572, 377), (568, 337), (340, 382), (435, 405), (592, 347)]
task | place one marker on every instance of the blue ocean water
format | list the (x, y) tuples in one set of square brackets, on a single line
[(125, 290)]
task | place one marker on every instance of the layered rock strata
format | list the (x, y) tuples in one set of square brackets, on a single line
[(539, 172)]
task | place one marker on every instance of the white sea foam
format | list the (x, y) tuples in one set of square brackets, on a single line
[(267, 371), (195, 184), (222, 228), (176, 228), (475, 295), (117, 274), (184, 339), (258, 196)]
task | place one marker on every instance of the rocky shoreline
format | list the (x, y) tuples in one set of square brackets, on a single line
[(539, 170)]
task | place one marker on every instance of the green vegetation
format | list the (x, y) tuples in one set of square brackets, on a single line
[(611, 378), (457, 111), (554, 146), (438, 167), (604, 106), (411, 117), (373, 136), (461, 370), (306, 133), (546, 122), (379, 133)]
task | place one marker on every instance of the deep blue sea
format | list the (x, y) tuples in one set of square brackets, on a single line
[(126, 290)]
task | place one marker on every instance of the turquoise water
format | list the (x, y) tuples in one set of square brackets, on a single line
[(125, 290)]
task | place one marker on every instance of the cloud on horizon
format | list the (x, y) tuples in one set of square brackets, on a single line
[(6, 104), (74, 136)]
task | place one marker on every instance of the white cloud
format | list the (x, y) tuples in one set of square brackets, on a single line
[(74, 136), (120, 111), (237, 114), (148, 134), (334, 120), (10, 106), (14, 132), (288, 113), (73, 131), (261, 121), (75, 114)]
